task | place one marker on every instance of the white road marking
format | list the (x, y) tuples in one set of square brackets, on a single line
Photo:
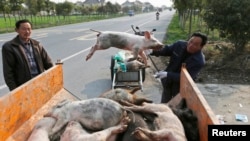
[(71, 56), (85, 37)]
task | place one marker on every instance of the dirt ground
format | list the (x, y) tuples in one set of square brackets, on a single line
[(224, 82)]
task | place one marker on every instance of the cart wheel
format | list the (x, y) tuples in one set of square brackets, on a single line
[(112, 67)]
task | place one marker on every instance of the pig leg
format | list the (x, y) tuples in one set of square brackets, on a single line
[(75, 132), (61, 118), (112, 132), (60, 123), (97, 46), (126, 103), (140, 100), (139, 121), (144, 57), (143, 108), (159, 135), (139, 135), (135, 53), (92, 51), (139, 52), (150, 108), (41, 130)]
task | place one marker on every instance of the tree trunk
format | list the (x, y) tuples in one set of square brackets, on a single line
[(190, 22)]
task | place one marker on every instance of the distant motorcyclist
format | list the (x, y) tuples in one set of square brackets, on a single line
[(157, 15)]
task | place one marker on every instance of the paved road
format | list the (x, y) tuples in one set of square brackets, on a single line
[(71, 43)]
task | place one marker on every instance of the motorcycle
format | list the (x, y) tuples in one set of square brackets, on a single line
[(157, 16), (137, 31)]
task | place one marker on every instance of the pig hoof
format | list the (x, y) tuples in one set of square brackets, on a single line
[(119, 129), (123, 125), (137, 131), (138, 134), (126, 120), (138, 128), (88, 57), (122, 128)]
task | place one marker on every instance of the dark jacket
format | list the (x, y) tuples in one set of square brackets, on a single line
[(15, 64), (178, 55)]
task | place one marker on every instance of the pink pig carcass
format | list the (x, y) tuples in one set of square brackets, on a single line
[(168, 126), (126, 41)]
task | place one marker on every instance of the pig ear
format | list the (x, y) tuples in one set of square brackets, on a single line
[(147, 35)]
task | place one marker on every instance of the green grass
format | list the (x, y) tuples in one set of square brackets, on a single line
[(174, 32), (8, 24)]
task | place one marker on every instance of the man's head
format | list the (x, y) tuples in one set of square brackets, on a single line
[(196, 42), (24, 28)]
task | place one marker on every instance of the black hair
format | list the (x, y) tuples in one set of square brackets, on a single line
[(18, 23), (202, 36)]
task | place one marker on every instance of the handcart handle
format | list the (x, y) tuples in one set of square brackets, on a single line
[(153, 63)]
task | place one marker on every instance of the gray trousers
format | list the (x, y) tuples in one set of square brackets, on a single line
[(170, 90)]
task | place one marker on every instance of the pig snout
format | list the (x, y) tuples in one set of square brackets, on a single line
[(151, 42), (155, 44)]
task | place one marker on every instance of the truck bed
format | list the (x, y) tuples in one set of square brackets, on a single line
[(24, 106)]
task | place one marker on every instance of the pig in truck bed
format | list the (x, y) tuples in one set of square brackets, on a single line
[(24, 106)]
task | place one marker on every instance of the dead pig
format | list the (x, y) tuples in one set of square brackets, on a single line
[(121, 59), (188, 119), (119, 95), (42, 129), (126, 41), (135, 65), (94, 114), (75, 132), (140, 120), (131, 66), (168, 126)]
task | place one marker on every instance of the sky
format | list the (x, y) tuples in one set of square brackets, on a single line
[(156, 3)]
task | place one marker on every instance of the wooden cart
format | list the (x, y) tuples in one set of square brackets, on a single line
[(24, 106)]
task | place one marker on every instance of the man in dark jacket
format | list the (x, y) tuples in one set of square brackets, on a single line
[(188, 52), (23, 57)]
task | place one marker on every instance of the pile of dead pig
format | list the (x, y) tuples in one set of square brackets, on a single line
[(117, 115)]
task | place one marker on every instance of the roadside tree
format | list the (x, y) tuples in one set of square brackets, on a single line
[(231, 18)]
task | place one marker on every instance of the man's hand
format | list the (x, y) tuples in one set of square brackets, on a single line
[(161, 74)]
